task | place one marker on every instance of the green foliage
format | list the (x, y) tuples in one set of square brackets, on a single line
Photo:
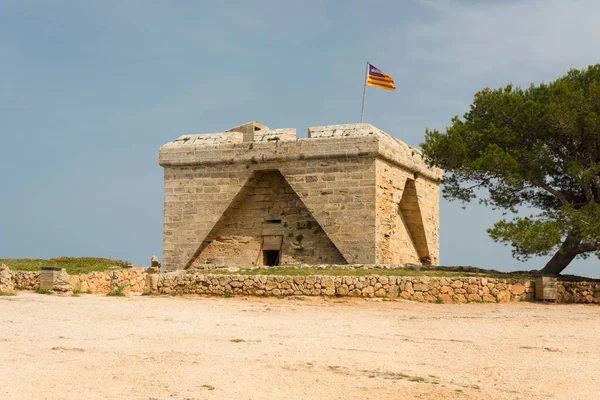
[(42, 291), (8, 293), (72, 265), (274, 139), (537, 147), (117, 291), (527, 236)]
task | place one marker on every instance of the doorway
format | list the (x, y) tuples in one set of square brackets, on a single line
[(271, 257)]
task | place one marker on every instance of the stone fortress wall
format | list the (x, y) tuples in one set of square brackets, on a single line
[(346, 194)]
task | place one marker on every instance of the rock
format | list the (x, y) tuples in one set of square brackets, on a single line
[(503, 296), (368, 291), (446, 289), (154, 262), (474, 297), (327, 282), (472, 289), (6, 283), (518, 289), (488, 298), (459, 298), (152, 283), (420, 287), (457, 284), (342, 290), (445, 298), (429, 297)]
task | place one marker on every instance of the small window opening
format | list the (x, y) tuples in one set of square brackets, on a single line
[(273, 221), (271, 257)]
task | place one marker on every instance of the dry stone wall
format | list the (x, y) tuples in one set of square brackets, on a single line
[(26, 280), (422, 289), (130, 279)]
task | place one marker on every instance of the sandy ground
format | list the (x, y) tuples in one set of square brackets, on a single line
[(98, 347)]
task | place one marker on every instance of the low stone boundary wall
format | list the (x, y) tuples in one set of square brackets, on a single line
[(578, 292), (26, 280), (130, 279), (423, 289)]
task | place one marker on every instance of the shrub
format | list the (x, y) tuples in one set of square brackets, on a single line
[(118, 291)]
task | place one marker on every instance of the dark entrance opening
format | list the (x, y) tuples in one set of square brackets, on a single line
[(271, 257)]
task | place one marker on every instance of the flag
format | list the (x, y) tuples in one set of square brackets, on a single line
[(378, 78)]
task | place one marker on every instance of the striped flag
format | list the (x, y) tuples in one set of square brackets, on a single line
[(378, 78)]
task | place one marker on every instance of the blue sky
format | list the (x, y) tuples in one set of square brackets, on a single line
[(90, 90)]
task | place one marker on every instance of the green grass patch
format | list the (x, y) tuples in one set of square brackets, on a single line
[(42, 291), (8, 293), (290, 271), (73, 265)]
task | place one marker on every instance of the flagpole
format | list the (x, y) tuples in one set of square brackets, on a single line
[(362, 111)]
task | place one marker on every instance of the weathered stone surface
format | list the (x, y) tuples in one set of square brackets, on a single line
[(503, 296), (474, 297), (456, 284), (518, 289), (154, 262), (420, 287), (6, 283)]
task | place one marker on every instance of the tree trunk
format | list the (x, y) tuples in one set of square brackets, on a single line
[(563, 257)]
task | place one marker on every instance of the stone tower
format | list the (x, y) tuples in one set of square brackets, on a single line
[(347, 194)]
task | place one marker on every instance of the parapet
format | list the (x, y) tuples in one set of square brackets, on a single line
[(254, 141)]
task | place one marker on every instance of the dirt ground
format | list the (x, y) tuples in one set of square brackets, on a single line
[(99, 347)]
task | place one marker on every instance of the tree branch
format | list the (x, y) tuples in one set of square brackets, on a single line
[(586, 247), (556, 193), (587, 190)]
